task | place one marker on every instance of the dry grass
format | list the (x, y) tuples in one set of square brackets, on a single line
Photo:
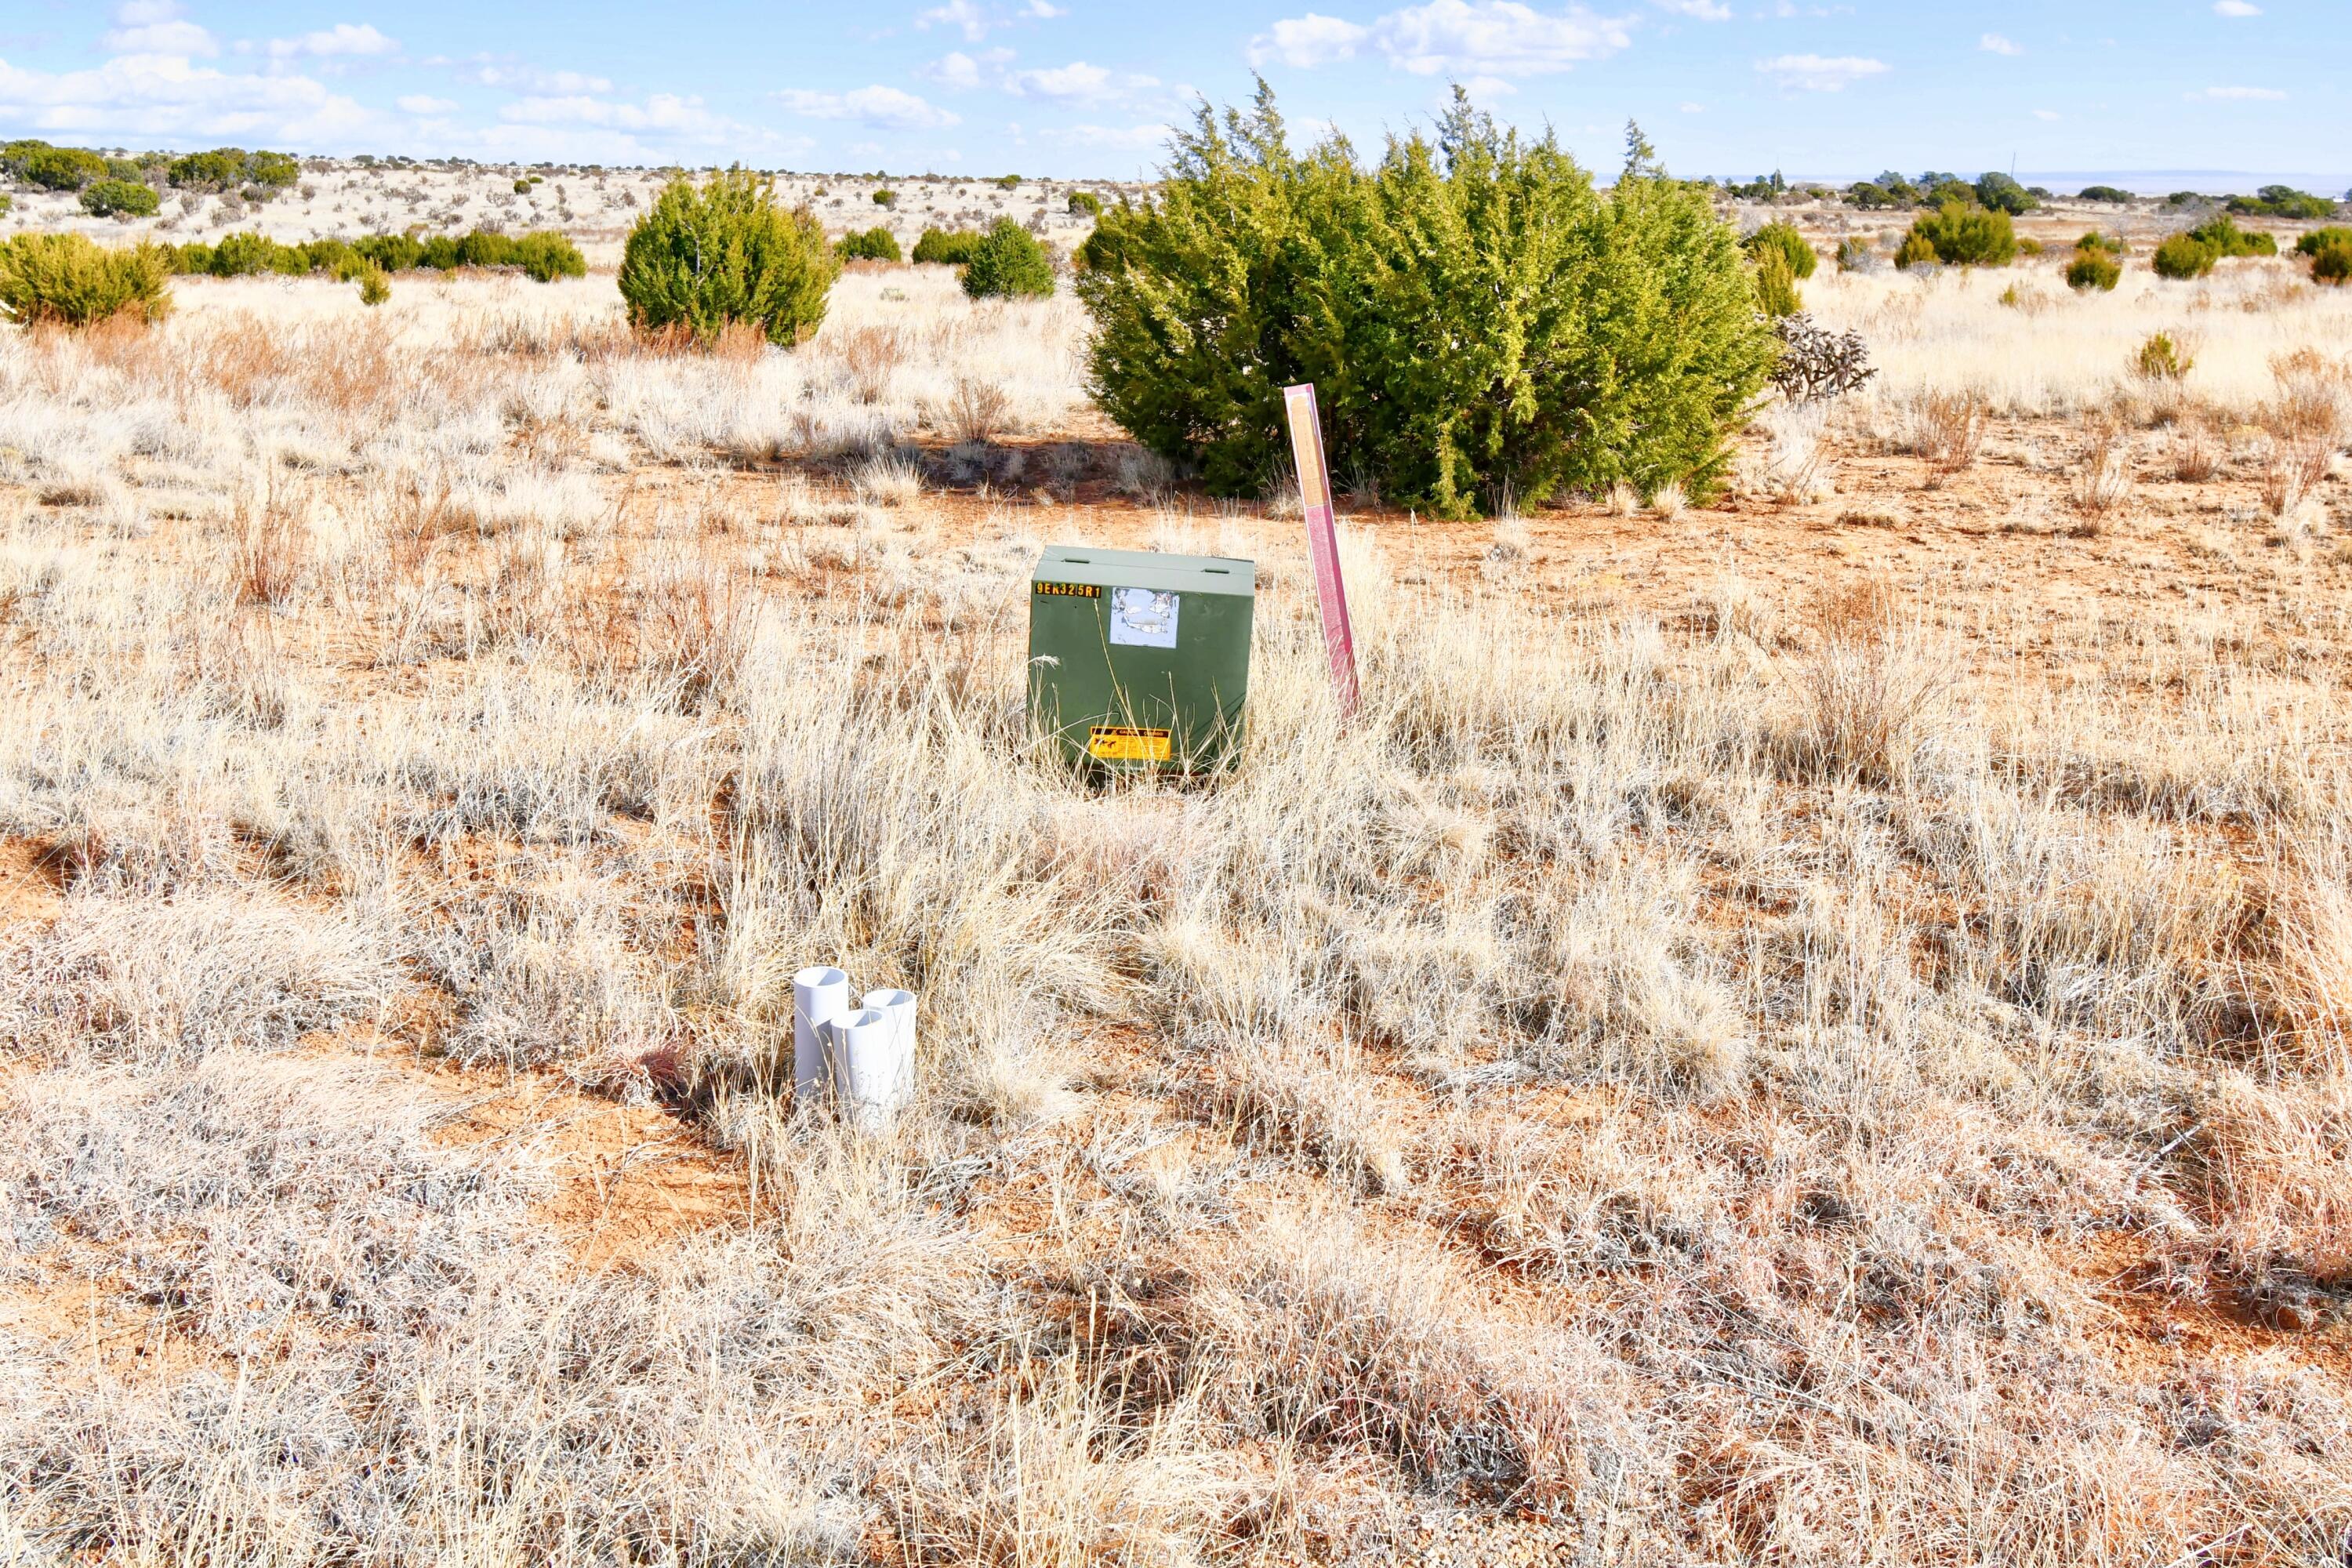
[(1763, 1042)]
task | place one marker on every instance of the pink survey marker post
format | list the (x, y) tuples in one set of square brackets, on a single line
[(1323, 540)]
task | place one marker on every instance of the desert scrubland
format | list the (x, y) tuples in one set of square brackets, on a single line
[(1806, 1028)]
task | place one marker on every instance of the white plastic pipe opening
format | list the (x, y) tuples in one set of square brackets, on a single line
[(854, 1041), (887, 1083), (819, 995)]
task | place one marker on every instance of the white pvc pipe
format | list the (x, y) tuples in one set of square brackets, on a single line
[(819, 995), (890, 1084), (856, 1045)]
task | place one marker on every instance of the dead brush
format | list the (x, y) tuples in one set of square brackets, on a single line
[(869, 358), (694, 626), (267, 561), (1872, 699), (976, 410), (2103, 478), (1947, 428), (2196, 457)]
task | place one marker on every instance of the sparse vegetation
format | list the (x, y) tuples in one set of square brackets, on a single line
[(726, 252)]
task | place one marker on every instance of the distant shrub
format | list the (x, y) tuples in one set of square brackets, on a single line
[(2182, 257), (2332, 263), (2283, 201), (1916, 250), (237, 254), (947, 247), (1856, 254), (374, 287), (2104, 193), (441, 252), (1007, 262), (1784, 238), (6, 201), (393, 252), (2225, 239), (2029, 245), (71, 279), (1629, 345), (1960, 236), (223, 168), (62, 168), (886, 198), (1999, 193), (272, 171), (1949, 188), (2160, 359), (725, 252), (1871, 196), (1775, 284), (2319, 240), (1009, 182), (877, 244), (545, 256), (1085, 203), (119, 198), (2093, 269), (522, 187)]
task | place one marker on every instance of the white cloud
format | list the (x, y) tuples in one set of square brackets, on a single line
[(1308, 41), (1456, 38), (1077, 82), (423, 103), (2050, 114), (883, 108), (531, 78), (1994, 43), (962, 71), (151, 98), (1704, 10), (2235, 8), (1817, 73), (158, 27), (963, 14), (343, 38), (1694, 109), (2230, 94), (1131, 137), (1043, 11)]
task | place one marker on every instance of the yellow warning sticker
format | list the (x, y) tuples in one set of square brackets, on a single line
[(1070, 590), (1113, 743)]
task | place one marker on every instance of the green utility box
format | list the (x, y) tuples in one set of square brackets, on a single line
[(1139, 660)]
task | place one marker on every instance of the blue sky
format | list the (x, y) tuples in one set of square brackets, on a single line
[(1087, 87)]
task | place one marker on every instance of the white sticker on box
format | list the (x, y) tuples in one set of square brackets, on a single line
[(1142, 618)]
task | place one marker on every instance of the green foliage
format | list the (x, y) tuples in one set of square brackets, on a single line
[(63, 168), (2182, 257), (2283, 201), (1900, 191), (725, 252), (545, 256), (1946, 189), (69, 278), (2319, 240), (1009, 182), (947, 247), (1960, 236), (1999, 193), (220, 169), (272, 171), (441, 253), (877, 244), (2225, 239), (1479, 321), (2332, 263), (1784, 238), (374, 287), (542, 255), (522, 187), (1916, 250), (2160, 359), (1856, 254), (1776, 285), (6, 201), (886, 198), (2094, 267), (1871, 196), (1008, 262), (119, 198), (1086, 202), (393, 252), (2104, 193)]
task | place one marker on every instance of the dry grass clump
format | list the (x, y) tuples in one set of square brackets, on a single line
[(1844, 1063)]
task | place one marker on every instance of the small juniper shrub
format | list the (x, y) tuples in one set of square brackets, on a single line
[(2160, 359), (946, 247), (876, 244), (1008, 262), (1960, 236), (2094, 267), (1783, 239), (71, 281), (724, 252), (1776, 285)]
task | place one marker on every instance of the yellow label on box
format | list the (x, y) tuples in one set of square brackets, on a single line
[(1111, 743), (1070, 590)]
